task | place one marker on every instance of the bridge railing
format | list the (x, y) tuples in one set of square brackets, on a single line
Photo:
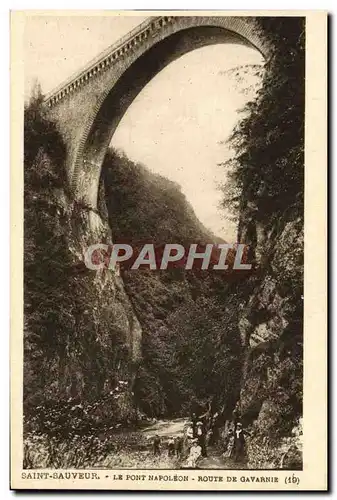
[(72, 82), (122, 46)]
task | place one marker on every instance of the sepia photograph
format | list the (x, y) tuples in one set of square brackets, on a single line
[(163, 184)]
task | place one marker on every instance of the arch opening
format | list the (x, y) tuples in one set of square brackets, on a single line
[(117, 100)]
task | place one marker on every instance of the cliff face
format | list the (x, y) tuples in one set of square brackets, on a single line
[(266, 191), (271, 326), (82, 338)]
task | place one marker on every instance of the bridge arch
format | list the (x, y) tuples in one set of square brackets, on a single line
[(89, 108)]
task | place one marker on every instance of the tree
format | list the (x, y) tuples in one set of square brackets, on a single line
[(266, 174)]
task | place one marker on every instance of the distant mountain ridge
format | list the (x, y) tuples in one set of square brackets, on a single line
[(145, 205)]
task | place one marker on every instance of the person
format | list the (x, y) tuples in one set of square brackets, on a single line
[(195, 452), (201, 436), (194, 419), (178, 446), (206, 417), (156, 445), (170, 446), (189, 432), (187, 440), (214, 429), (239, 451), (209, 438), (236, 415), (229, 444)]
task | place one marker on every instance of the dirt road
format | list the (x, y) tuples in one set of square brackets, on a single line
[(166, 428), (136, 453)]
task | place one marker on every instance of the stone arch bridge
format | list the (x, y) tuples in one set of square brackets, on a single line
[(89, 105)]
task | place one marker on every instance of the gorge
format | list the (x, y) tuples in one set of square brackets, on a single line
[(104, 350)]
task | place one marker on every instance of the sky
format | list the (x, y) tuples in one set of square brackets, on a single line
[(179, 123)]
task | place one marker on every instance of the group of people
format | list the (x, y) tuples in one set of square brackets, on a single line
[(187, 447), (229, 436), (174, 446), (234, 443), (202, 431), (196, 441)]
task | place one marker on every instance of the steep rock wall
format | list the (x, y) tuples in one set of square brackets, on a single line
[(271, 327), (82, 338)]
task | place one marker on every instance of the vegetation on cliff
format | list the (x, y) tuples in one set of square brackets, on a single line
[(191, 343), (266, 173), (266, 190), (75, 328)]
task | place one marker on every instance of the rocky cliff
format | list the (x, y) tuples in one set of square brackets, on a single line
[(266, 190), (271, 326), (82, 339)]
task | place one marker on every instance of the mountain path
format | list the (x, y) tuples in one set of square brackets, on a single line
[(141, 458)]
